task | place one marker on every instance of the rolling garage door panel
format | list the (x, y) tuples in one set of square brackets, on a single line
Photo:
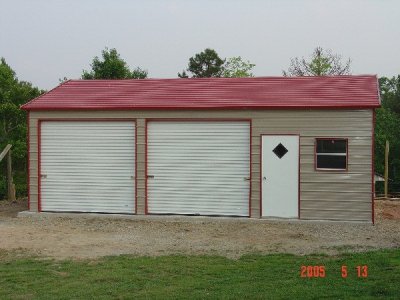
[(198, 168), (88, 166)]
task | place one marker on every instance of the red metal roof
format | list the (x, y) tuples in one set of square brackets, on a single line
[(212, 93)]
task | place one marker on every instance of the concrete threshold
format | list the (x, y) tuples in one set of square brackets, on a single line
[(177, 218), (287, 220), (161, 218)]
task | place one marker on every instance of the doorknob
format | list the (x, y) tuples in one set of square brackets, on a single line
[(264, 178)]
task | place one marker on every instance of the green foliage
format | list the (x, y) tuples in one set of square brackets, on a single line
[(62, 80), (13, 130), (236, 67), (205, 64), (201, 277), (183, 74), (112, 66), (209, 64), (388, 128), (3, 186), (20, 181), (322, 63), (319, 65), (390, 93)]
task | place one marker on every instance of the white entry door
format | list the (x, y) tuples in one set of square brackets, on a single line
[(280, 176)]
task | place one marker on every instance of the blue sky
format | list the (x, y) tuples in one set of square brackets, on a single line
[(47, 40)]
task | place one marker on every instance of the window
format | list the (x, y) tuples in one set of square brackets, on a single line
[(331, 154)]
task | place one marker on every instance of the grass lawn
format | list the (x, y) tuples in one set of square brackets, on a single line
[(254, 276)]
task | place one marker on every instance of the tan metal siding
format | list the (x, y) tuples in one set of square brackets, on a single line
[(33, 164), (321, 192), (324, 195), (140, 165)]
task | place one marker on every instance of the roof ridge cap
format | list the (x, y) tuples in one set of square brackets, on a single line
[(228, 78)]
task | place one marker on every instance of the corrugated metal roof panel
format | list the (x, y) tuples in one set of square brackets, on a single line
[(212, 93)]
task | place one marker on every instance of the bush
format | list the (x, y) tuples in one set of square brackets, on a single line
[(3, 187), (20, 181)]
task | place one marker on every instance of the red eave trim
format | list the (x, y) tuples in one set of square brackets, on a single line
[(273, 107), (146, 207), (29, 161), (373, 165), (136, 180), (23, 106), (39, 165), (251, 161)]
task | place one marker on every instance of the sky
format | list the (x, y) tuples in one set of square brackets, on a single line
[(44, 41)]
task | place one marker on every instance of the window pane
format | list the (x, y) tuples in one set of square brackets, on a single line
[(331, 146), (331, 162)]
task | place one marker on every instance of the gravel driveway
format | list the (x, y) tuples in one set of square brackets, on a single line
[(91, 237)]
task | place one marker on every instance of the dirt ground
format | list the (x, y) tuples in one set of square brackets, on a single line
[(83, 237)]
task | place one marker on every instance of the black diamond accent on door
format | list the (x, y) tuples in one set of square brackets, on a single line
[(280, 150)]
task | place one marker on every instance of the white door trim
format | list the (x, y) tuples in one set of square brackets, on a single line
[(261, 169)]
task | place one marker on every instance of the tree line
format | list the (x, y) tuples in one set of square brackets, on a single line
[(205, 64), (208, 64)]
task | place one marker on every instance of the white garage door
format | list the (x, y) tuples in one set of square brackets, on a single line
[(198, 168), (88, 166)]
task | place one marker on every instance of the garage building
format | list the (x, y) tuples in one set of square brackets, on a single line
[(273, 147)]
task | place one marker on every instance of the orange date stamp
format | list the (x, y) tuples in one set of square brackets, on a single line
[(320, 271)]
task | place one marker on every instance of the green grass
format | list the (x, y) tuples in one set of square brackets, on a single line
[(171, 277)]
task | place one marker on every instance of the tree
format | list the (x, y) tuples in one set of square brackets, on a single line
[(322, 63), (183, 74), (209, 64), (388, 128), (204, 64), (112, 66), (62, 80), (236, 67), (13, 127), (390, 93)]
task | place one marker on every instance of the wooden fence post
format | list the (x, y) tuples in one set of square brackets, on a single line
[(386, 168)]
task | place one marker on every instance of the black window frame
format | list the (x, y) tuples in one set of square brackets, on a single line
[(316, 154)]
